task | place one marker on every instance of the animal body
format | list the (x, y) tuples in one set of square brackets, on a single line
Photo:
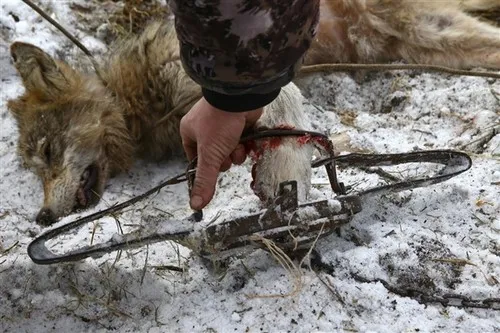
[(78, 129), (417, 31)]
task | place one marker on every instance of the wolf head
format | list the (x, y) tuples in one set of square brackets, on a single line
[(71, 132)]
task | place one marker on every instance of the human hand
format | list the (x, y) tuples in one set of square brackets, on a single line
[(213, 135)]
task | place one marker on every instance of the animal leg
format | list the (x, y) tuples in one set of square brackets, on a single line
[(282, 159)]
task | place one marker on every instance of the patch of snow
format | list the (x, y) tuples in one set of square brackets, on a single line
[(399, 238)]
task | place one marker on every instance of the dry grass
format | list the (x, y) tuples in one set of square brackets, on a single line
[(286, 262), (135, 15), (123, 18), (491, 280)]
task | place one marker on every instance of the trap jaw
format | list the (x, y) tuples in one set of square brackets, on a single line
[(290, 225)]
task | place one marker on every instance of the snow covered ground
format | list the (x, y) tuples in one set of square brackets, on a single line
[(438, 240)]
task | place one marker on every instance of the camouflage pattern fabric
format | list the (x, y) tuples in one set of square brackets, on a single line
[(237, 47)]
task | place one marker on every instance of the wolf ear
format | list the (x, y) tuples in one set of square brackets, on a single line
[(40, 73)]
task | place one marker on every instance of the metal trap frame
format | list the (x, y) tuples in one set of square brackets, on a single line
[(287, 223)]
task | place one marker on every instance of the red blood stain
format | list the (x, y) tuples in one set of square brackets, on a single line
[(256, 149), (304, 139)]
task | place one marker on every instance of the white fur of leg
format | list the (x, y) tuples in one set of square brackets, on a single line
[(290, 160)]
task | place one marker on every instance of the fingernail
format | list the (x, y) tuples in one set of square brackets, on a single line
[(196, 202)]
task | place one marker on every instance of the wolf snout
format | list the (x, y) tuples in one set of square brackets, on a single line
[(45, 217)]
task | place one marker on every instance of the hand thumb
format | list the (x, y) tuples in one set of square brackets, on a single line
[(204, 184)]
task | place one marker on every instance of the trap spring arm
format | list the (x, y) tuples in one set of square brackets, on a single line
[(40, 254), (454, 164)]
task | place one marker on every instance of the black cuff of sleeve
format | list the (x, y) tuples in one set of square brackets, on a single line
[(239, 103)]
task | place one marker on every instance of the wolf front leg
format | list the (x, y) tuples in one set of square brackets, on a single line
[(286, 158)]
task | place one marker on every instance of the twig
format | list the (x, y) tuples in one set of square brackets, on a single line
[(4, 252), (343, 67), (381, 172), (67, 34), (175, 246), (168, 268), (58, 26), (118, 226), (178, 109), (328, 284), (144, 269), (311, 248), (93, 232), (464, 262), (483, 140)]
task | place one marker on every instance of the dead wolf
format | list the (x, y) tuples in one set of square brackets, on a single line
[(78, 129)]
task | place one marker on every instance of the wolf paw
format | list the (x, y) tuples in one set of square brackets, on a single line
[(280, 159)]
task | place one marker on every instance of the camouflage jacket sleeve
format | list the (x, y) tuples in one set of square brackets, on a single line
[(243, 51)]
